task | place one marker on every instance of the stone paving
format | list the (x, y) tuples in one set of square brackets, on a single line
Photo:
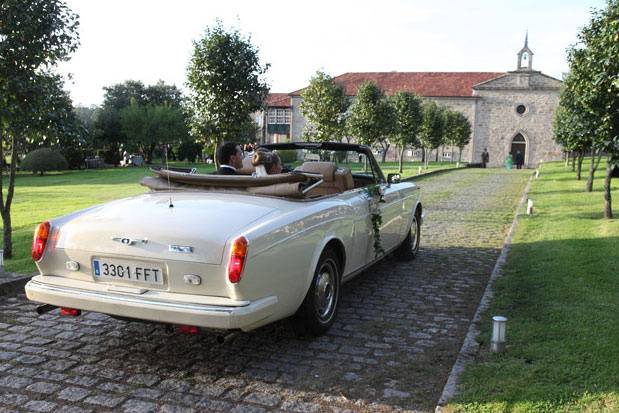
[(396, 337)]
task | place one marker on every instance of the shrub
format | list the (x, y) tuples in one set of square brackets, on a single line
[(74, 156), (43, 160)]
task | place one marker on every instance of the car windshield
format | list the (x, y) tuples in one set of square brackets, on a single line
[(357, 162)]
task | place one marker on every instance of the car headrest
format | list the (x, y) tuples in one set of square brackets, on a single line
[(326, 169)]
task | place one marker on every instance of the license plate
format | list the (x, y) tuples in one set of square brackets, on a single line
[(127, 271)]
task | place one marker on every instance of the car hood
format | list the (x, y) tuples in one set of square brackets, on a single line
[(150, 226)]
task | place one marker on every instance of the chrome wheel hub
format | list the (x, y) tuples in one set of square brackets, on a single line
[(414, 235), (325, 292)]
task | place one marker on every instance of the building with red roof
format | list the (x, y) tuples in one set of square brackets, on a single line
[(508, 111)]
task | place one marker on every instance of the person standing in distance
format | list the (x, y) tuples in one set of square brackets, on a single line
[(230, 158), (485, 158)]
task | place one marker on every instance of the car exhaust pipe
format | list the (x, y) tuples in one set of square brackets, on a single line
[(45, 308), (221, 339)]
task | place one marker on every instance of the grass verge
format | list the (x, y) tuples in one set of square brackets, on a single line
[(39, 198), (560, 292)]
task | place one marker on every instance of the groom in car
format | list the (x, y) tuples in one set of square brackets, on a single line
[(230, 158)]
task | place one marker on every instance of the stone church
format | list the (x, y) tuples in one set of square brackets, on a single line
[(508, 112)]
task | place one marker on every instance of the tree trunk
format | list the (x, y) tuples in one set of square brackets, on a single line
[(608, 206), (574, 155), (8, 241), (385, 149), (460, 155), (425, 151), (5, 206), (423, 155), (592, 169), (436, 155), (580, 155), (402, 157), (567, 159)]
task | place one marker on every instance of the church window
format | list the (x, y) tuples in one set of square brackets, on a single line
[(521, 109)]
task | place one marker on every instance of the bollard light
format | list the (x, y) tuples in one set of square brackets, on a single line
[(419, 171), (536, 173), (499, 325), (530, 207)]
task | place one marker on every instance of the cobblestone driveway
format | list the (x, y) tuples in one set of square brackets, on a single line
[(397, 335)]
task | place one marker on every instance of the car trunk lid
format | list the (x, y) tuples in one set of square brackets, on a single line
[(192, 227)]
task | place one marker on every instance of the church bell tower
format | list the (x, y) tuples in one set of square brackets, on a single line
[(525, 56)]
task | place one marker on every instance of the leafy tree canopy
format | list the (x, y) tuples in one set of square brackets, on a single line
[(324, 106), (408, 113), (371, 117), (432, 126), (457, 129), (227, 84)]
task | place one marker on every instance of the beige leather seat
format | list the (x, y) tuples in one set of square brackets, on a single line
[(335, 179)]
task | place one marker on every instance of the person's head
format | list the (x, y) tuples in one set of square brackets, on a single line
[(518, 152), (230, 153), (271, 161), (485, 149)]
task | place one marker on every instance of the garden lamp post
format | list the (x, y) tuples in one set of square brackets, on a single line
[(499, 325)]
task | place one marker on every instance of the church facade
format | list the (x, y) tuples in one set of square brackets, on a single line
[(509, 112)]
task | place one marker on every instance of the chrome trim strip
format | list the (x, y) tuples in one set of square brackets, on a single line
[(126, 299)]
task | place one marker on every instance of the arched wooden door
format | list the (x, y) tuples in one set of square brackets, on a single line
[(519, 144)]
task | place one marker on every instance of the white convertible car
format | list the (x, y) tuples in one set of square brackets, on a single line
[(231, 252)]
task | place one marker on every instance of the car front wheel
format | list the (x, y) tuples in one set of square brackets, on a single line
[(410, 247), (319, 307)]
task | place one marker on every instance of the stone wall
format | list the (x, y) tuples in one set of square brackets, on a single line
[(498, 123)]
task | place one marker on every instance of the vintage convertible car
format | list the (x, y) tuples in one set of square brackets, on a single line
[(231, 252)]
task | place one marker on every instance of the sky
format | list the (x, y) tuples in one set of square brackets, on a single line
[(152, 40)]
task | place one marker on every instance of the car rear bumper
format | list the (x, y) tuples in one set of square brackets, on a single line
[(245, 317)]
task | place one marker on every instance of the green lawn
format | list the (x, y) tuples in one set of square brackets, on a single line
[(560, 292), (39, 198)]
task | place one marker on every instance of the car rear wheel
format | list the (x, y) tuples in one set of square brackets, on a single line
[(410, 247), (319, 307)]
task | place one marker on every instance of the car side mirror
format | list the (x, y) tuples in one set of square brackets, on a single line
[(393, 178)]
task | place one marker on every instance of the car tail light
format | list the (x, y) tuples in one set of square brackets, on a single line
[(41, 234), (237, 259), (64, 311)]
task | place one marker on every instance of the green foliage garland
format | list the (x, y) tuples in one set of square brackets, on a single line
[(375, 196)]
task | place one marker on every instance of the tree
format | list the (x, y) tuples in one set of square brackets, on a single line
[(149, 126), (324, 105), (432, 128), (594, 67), (227, 85), (573, 132), (35, 35), (371, 117), (408, 115), (114, 133), (457, 130)]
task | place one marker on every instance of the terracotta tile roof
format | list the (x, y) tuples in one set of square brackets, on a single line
[(457, 84), (281, 100)]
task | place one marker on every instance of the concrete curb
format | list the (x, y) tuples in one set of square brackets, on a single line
[(470, 347), (14, 285)]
